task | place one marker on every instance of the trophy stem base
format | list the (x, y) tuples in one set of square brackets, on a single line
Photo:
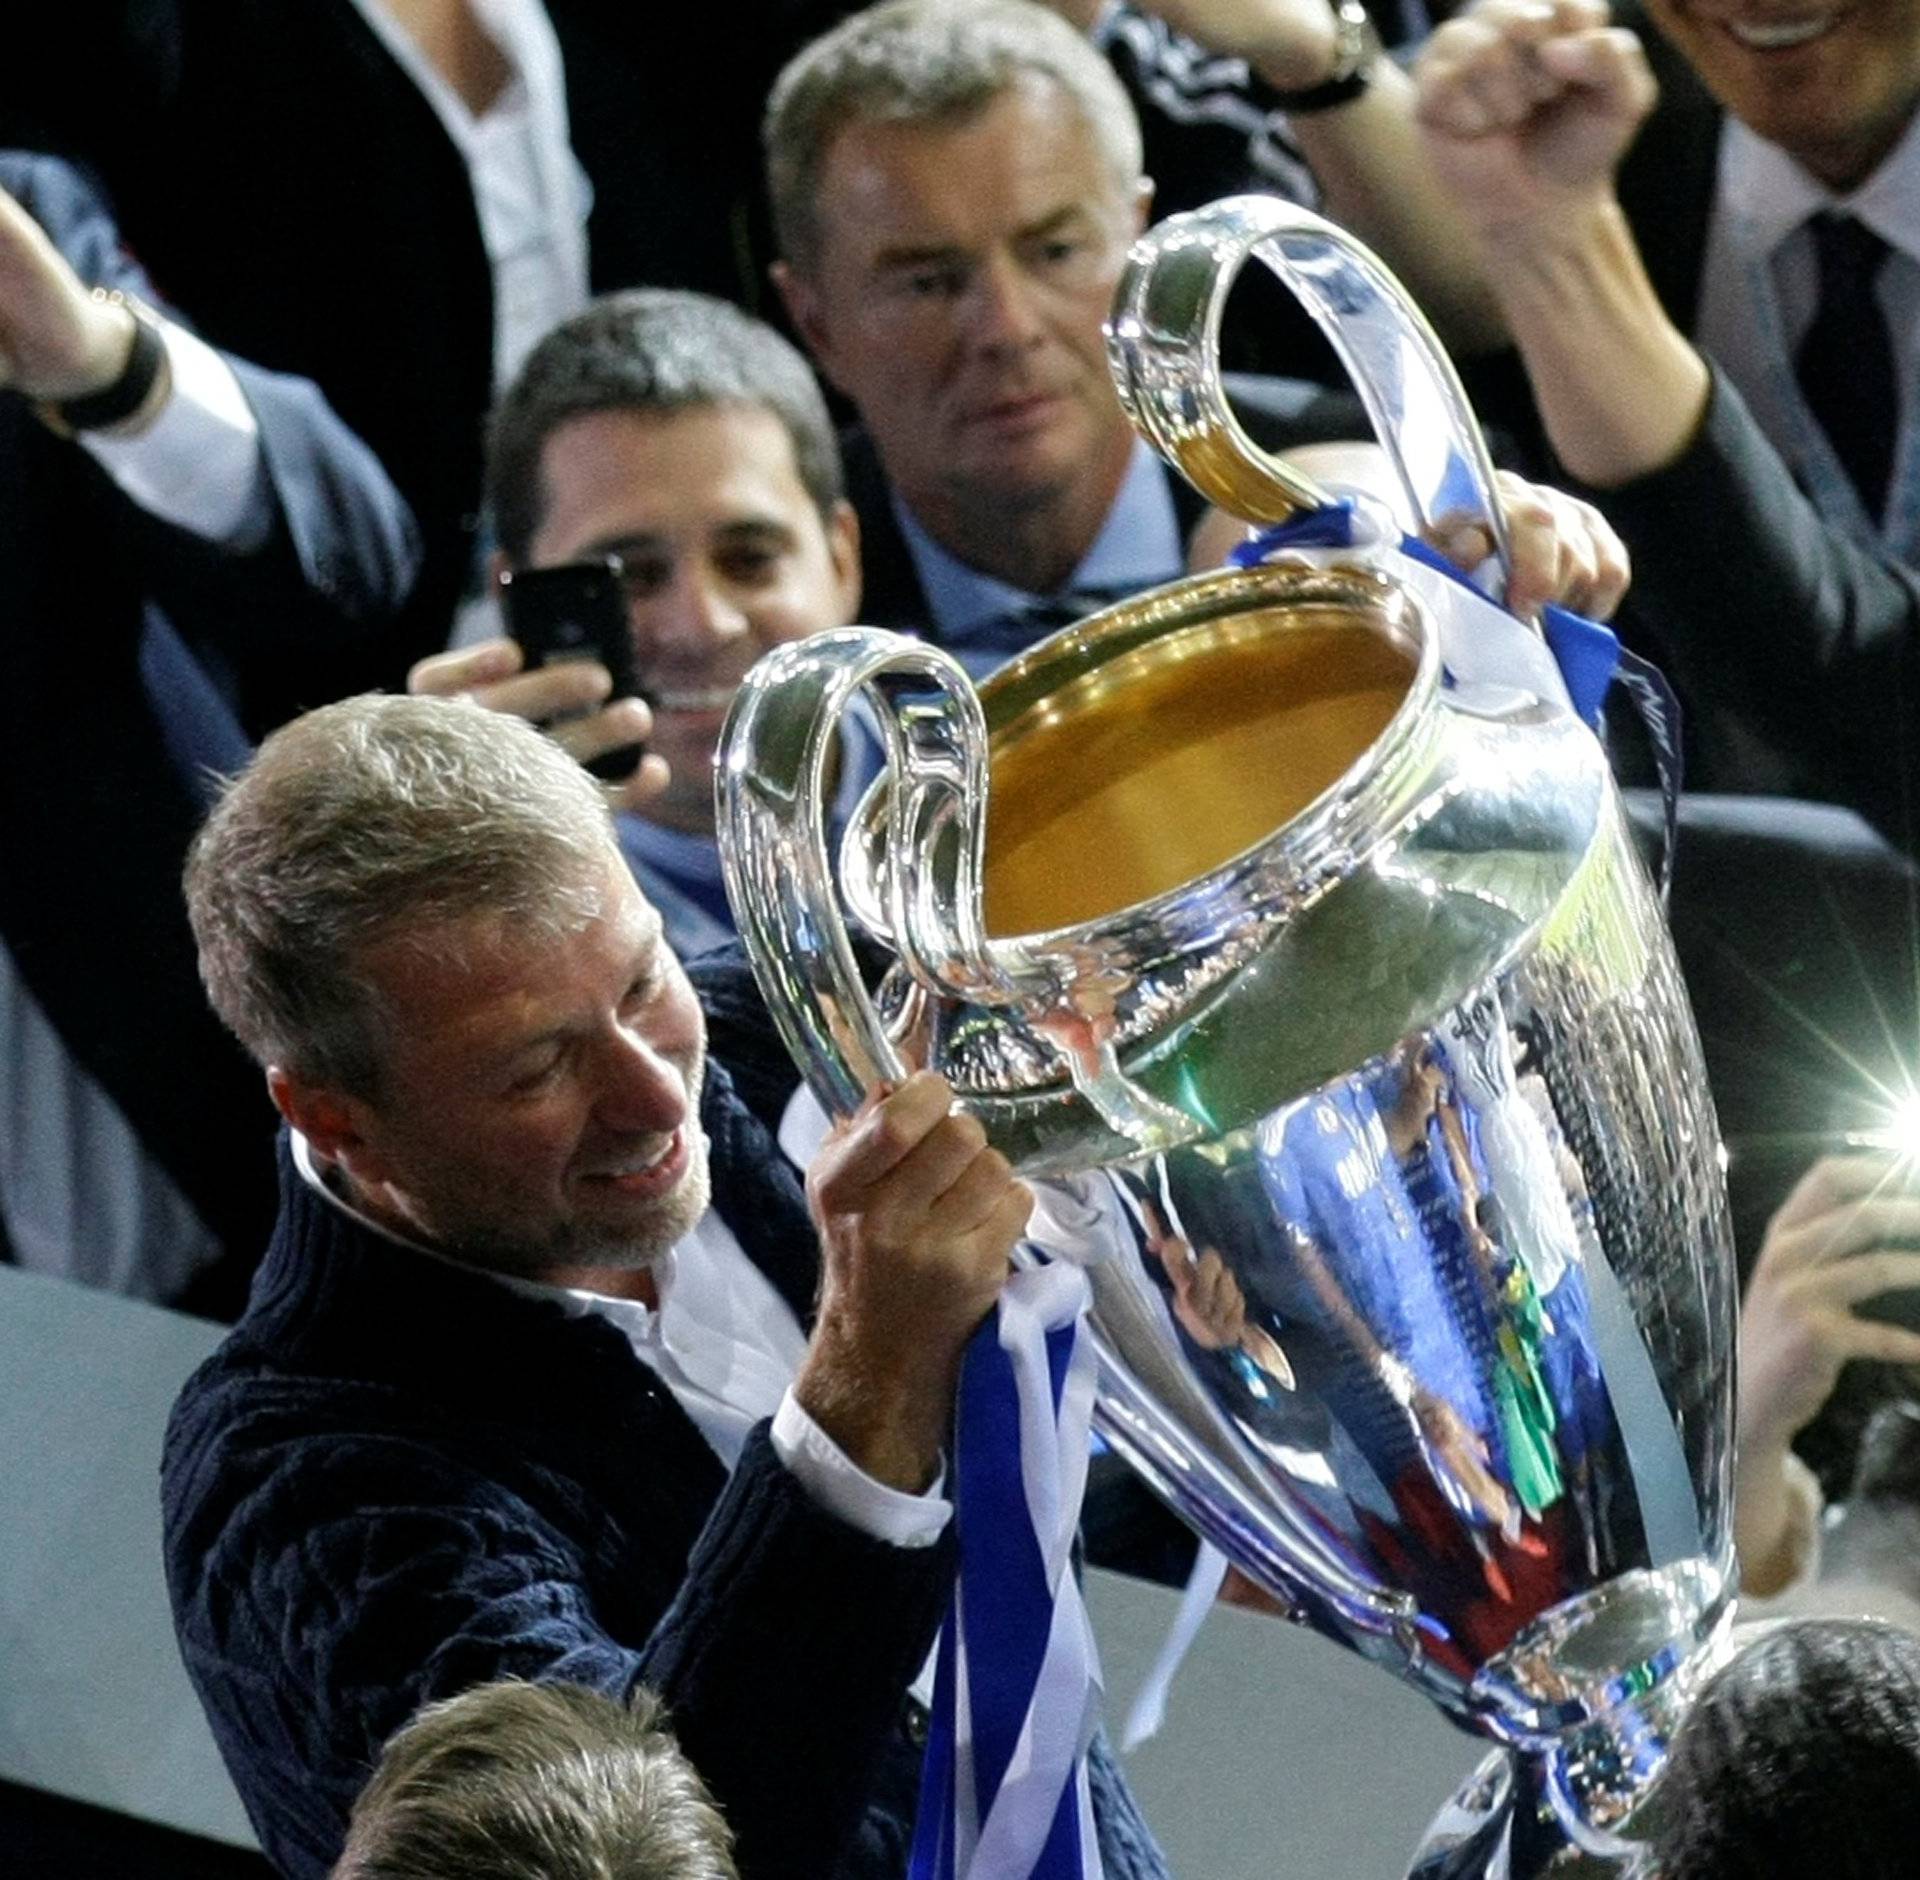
[(1580, 1807), (1502, 1824)]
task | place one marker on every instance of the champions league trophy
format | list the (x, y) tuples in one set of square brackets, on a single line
[(1282, 927)]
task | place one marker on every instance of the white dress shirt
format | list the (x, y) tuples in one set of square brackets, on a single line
[(1759, 290), (198, 464), (727, 1346)]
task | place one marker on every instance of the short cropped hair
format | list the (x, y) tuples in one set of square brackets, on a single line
[(370, 820), (927, 62), (515, 1781), (654, 351), (1802, 1756)]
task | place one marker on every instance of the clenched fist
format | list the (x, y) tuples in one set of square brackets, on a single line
[(1526, 107)]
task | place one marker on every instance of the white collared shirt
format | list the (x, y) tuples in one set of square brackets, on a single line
[(1759, 291), (727, 1346)]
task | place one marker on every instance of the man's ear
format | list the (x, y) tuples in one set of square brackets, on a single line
[(806, 308), (340, 1128), (843, 546)]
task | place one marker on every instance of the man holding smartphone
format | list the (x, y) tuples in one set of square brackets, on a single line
[(686, 444)]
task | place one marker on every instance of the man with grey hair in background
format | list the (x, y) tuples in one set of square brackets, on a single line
[(955, 184), (550, 1371)]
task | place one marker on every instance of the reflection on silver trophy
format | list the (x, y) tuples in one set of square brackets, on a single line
[(1304, 964)]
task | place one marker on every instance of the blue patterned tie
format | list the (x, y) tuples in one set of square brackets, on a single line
[(1845, 364)]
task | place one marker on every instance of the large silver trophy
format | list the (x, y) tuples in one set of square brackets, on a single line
[(1282, 926)]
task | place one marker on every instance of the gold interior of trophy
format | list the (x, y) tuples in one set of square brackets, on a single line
[(1159, 766)]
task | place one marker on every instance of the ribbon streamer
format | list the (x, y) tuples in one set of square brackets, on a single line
[(1588, 653), (1004, 1792)]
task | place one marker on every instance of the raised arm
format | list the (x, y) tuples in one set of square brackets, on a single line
[(1365, 151), (1527, 111), (271, 529), (1804, 631)]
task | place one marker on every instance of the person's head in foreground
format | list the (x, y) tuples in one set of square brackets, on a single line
[(413, 914), (1800, 1760), (691, 441), (515, 1781)]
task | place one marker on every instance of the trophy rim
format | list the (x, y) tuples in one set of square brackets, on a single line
[(1289, 856)]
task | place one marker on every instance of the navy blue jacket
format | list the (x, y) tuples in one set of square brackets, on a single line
[(397, 1479)]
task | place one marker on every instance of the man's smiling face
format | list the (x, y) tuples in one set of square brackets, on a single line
[(539, 1107), (1832, 82), (726, 557)]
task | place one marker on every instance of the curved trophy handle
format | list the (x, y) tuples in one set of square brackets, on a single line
[(1163, 345), (772, 791)]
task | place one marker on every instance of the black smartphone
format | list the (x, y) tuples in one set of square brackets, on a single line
[(577, 611)]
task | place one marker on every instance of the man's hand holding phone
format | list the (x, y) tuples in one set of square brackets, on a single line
[(569, 697)]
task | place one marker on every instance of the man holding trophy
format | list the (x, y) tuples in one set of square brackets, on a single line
[(1356, 1063)]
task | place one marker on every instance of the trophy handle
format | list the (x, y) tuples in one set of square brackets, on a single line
[(1163, 344), (772, 790)]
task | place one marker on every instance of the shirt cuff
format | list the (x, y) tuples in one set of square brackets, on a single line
[(198, 465), (844, 1489)]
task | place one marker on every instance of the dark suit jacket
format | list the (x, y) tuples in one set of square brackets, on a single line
[(398, 1479), (1780, 631), (96, 772), (1276, 413)]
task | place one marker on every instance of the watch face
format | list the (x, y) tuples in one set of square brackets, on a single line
[(1355, 43)]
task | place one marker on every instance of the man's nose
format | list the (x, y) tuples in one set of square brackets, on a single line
[(1002, 309), (694, 616), (641, 1088)]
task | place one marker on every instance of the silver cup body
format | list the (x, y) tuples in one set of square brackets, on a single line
[(1385, 1141)]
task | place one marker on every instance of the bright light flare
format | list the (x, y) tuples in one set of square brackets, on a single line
[(1898, 1130)]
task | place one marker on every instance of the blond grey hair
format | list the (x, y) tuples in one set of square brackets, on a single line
[(927, 62), (515, 1781), (373, 820)]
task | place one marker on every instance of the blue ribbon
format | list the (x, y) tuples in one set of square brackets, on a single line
[(1588, 653), (1003, 1789)]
